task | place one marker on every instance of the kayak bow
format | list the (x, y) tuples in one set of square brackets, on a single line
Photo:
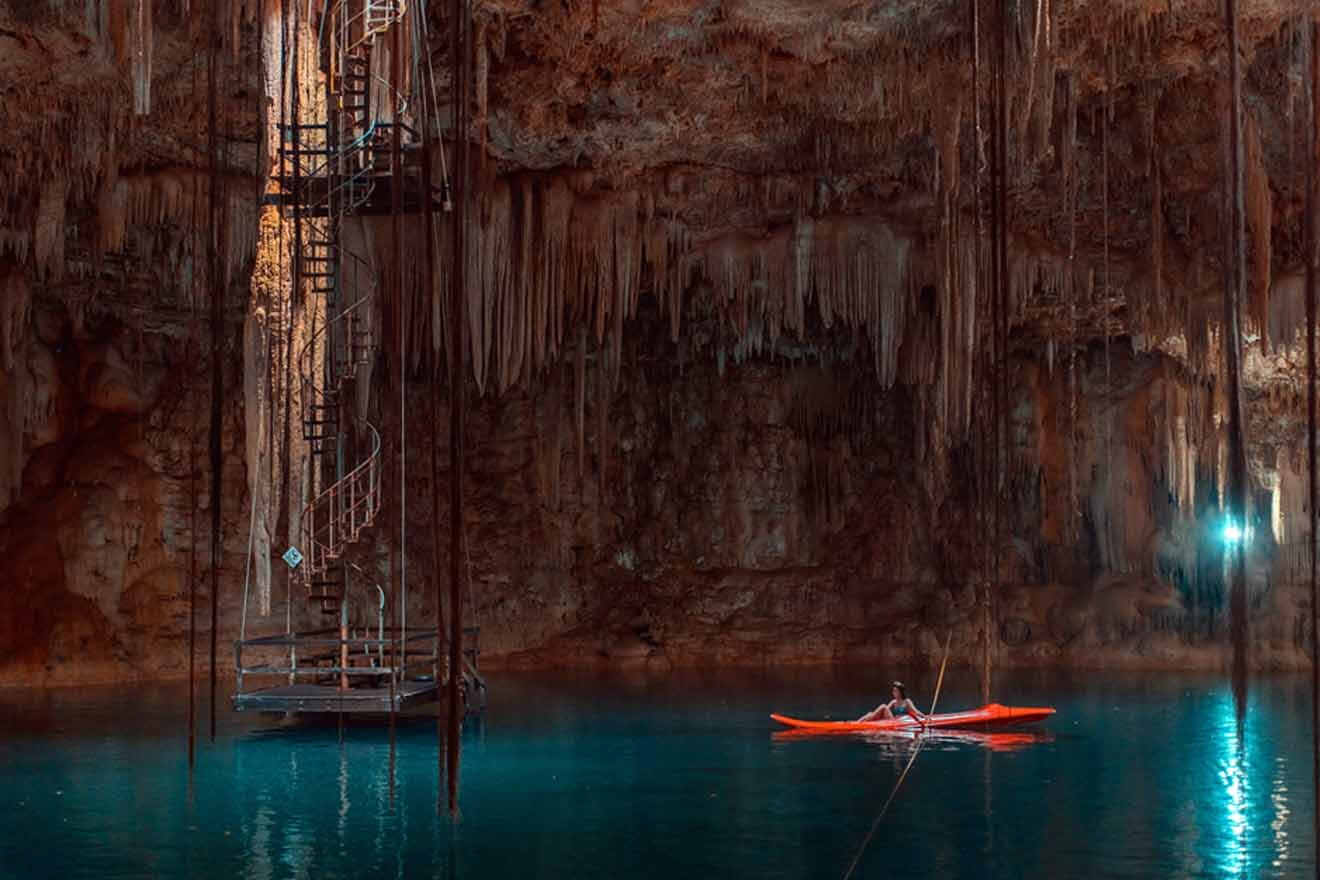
[(992, 715)]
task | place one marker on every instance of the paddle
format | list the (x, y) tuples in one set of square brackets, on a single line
[(939, 682), (917, 751)]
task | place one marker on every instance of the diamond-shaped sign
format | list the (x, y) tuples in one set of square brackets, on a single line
[(293, 557)]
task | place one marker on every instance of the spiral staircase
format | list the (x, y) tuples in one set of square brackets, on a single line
[(328, 170)]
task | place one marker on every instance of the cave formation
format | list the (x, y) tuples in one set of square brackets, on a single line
[(743, 383)]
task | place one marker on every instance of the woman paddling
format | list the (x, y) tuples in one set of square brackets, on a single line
[(897, 707)]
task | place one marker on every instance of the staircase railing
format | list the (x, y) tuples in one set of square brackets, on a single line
[(338, 514)]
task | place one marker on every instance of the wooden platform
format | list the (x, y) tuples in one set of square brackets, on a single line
[(377, 201), (311, 698)]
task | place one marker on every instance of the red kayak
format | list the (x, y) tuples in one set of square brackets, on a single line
[(993, 715)]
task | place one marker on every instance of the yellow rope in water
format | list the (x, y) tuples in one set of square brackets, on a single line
[(899, 784)]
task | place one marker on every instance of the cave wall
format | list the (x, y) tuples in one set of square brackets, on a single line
[(748, 229), (776, 512), (109, 427), (778, 509)]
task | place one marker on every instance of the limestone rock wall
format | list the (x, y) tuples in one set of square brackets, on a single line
[(98, 532), (773, 511), (727, 328)]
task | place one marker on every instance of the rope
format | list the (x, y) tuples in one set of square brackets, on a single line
[(1235, 264), (1105, 113), (902, 776), (247, 569), (1313, 495), (435, 102), (397, 206)]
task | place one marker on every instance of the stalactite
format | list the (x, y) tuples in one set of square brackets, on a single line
[(603, 384), (482, 52), (1157, 234), (957, 284), (273, 69), (1260, 218), (557, 443), (256, 373), (580, 402), (141, 51), (1070, 195), (21, 407), (48, 229)]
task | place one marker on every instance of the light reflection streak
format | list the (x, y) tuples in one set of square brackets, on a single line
[(1233, 776), (1279, 799), (343, 798)]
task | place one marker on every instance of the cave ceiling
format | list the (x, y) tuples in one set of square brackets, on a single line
[(733, 116)]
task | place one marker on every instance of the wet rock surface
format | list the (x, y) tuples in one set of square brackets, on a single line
[(732, 406)]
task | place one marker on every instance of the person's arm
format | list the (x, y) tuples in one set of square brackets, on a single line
[(917, 713)]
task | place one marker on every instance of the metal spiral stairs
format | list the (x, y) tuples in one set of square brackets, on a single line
[(327, 169)]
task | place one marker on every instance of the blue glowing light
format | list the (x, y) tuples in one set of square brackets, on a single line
[(1232, 533)]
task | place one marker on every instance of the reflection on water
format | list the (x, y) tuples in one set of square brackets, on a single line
[(1279, 826), (1234, 779), (679, 776), (902, 742)]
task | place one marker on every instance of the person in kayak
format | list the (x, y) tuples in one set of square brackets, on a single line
[(897, 707)]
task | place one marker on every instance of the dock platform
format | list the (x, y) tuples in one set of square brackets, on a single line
[(350, 671), (315, 698)]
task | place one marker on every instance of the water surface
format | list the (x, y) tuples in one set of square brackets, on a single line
[(674, 776)]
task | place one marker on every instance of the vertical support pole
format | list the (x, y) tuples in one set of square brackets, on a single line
[(459, 53), (295, 297), (1237, 466), (396, 200), (1001, 429), (999, 320), (217, 283), (1313, 490), (1106, 112), (192, 583), (343, 636), (437, 580), (396, 277), (984, 598)]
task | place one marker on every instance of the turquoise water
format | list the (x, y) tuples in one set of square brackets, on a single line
[(676, 776)]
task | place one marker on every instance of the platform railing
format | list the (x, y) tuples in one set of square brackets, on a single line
[(302, 655)]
